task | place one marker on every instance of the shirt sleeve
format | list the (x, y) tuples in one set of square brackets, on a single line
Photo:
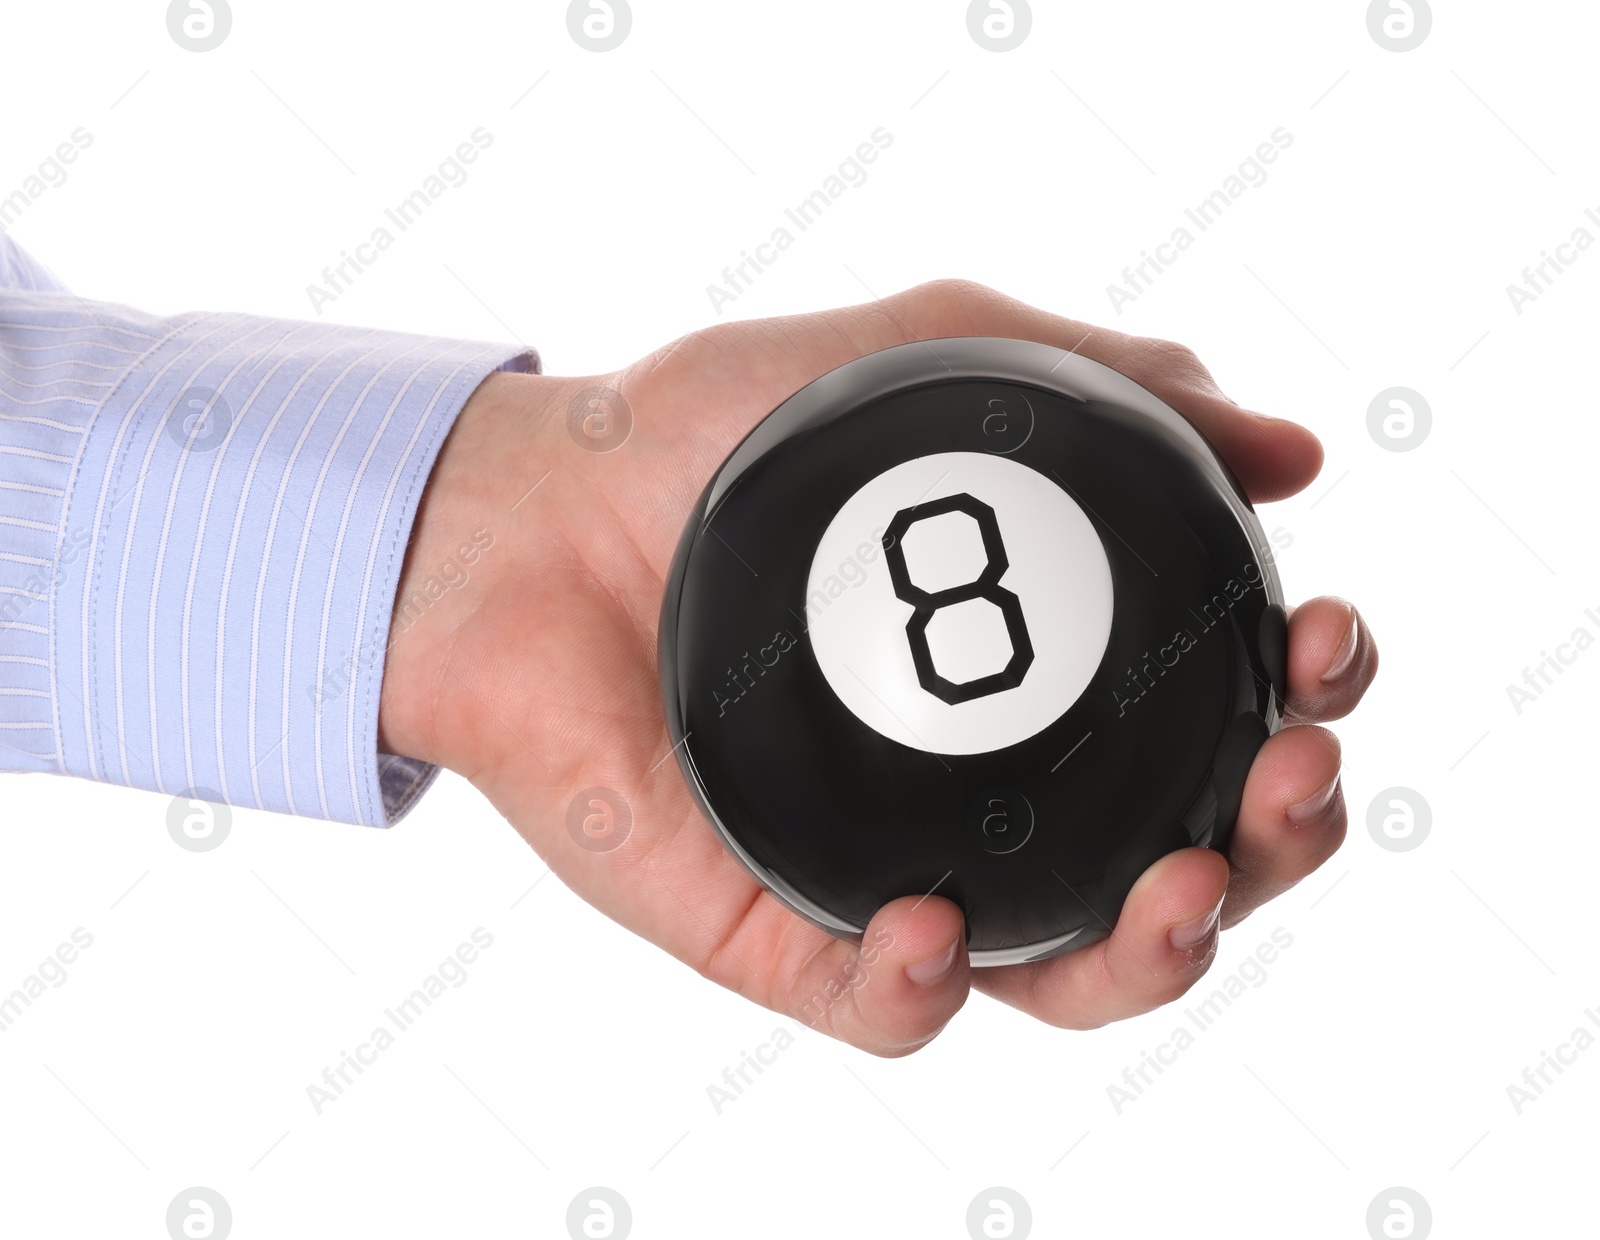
[(202, 524)]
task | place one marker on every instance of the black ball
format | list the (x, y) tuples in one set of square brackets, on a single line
[(977, 617)]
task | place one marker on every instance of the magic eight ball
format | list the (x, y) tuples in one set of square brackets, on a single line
[(976, 617)]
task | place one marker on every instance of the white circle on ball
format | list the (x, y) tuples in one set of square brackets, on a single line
[(1056, 568)]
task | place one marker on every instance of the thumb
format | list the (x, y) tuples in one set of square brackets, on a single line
[(891, 994)]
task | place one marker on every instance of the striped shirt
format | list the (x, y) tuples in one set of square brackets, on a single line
[(202, 525)]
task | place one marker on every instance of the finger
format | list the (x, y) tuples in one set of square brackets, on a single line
[(769, 359), (1292, 818), (889, 994), (1271, 457), (1332, 660), (896, 990), (674, 883), (1163, 942)]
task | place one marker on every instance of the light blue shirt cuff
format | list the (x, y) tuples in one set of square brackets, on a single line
[(202, 525)]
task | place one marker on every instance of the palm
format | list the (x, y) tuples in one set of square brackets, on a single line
[(550, 686), (542, 682)]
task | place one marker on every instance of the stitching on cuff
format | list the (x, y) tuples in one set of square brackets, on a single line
[(115, 470)]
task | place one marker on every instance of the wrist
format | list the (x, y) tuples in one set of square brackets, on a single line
[(462, 546)]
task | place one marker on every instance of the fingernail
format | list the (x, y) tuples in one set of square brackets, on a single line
[(1347, 652), (935, 969), (1189, 935), (1315, 805)]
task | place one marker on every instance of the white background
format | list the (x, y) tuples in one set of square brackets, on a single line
[(1419, 984)]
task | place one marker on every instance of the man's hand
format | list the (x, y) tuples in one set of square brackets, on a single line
[(537, 678)]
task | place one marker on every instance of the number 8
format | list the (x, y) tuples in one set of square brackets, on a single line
[(928, 602)]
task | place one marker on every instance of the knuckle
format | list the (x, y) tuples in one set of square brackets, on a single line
[(1077, 1022), (1150, 995), (1171, 353), (950, 306), (1092, 1004), (884, 1035), (954, 289)]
